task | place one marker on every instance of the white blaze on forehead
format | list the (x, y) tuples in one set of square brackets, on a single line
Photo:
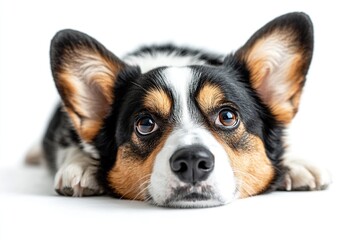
[(147, 62), (180, 79)]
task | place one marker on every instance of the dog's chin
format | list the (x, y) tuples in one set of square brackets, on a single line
[(194, 204), (186, 197)]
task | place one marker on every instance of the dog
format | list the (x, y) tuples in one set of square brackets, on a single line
[(180, 127)]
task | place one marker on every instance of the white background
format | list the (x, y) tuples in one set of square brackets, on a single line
[(326, 130)]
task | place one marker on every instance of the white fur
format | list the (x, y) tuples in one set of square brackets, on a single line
[(148, 62), (90, 149), (179, 79), (85, 76), (187, 133), (278, 57), (195, 204), (303, 175), (77, 171)]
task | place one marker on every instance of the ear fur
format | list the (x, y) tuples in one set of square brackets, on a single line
[(84, 72), (278, 57)]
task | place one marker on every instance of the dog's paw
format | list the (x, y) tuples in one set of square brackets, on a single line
[(77, 179), (302, 176)]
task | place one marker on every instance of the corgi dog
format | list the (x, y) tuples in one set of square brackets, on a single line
[(180, 127)]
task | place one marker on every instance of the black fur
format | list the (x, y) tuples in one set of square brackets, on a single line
[(209, 58), (59, 134)]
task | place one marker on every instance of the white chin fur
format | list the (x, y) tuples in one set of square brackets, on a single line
[(195, 204)]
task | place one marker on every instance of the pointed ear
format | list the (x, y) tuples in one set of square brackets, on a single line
[(278, 57), (84, 72)]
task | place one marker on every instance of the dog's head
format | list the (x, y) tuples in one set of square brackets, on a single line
[(198, 135)]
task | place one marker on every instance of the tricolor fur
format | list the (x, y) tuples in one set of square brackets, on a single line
[(176, 126)]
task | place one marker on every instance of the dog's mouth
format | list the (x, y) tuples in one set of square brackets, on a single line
[(192, 197)]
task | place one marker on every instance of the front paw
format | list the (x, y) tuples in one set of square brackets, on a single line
[(77, 180), (302, 176)]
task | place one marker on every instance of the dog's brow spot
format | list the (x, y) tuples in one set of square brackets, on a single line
[(209, 96), (157, 100)]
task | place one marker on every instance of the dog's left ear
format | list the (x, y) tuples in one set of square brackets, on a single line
[(278, 57), (84, 72)]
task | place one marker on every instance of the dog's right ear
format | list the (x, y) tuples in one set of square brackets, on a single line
[(278, 57), (84, 72)]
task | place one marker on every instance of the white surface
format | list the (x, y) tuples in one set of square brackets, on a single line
[(29, 209), (325, 131)]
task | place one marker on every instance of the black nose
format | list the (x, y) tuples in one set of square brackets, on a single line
[(192, 164)]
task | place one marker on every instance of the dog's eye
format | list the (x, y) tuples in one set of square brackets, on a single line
[(146, 125), (227, 118)]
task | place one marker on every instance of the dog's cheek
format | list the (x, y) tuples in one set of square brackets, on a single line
[(252, 168), (130, 176)]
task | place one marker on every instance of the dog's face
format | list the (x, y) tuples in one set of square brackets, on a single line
[(198, 135)]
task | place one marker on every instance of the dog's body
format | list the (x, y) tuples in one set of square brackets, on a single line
[(176, 126)]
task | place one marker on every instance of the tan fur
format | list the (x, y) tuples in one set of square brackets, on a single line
[(286, 112), (35, 155), (209, 97), (131, 174), (252, 168), (276, 72), (86, 84), (158, 101)]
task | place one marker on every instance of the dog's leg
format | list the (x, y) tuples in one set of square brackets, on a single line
[(76, 175), (303, 176)]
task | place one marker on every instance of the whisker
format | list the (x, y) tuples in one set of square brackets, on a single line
[(147, 199), (143, 189), (135, 186), (247, 174), (247, 188)]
